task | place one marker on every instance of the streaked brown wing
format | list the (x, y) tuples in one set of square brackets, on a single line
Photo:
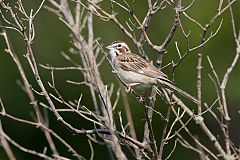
[(135, 63)]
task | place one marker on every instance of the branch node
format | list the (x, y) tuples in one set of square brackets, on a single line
[(199, 119)]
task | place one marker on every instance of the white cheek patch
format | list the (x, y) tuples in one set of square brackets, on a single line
[(112, 54)]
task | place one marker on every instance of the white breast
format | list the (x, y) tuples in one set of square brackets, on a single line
[(135, 80)]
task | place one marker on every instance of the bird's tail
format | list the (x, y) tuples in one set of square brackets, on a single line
[(178, 90)]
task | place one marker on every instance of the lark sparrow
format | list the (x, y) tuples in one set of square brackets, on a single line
[(138, 74)]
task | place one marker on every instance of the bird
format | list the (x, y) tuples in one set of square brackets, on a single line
[(137, 73)]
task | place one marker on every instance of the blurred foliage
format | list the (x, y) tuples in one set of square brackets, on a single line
[(53, 37)]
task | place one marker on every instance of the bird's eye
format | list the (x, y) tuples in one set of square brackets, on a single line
[(119, 45)]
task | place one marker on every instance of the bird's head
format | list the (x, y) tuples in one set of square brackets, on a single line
[(117, 48)]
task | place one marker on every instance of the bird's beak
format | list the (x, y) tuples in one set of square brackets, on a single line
[(109, 47)]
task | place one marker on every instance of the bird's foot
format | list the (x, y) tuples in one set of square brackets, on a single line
[(128, 88), (140, 98)]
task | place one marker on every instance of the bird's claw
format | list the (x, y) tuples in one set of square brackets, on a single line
[(128, 88)]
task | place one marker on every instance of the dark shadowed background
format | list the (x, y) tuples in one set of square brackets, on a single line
[(53, 37)]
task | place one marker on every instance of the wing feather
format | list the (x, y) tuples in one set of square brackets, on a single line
[(137, 64)]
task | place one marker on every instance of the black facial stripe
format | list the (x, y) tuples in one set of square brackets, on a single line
[(116, 53)]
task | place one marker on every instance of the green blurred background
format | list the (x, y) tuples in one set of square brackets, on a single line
[(53, 37)]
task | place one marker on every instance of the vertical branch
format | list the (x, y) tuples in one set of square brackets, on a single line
[(164, 133), (115, 146), (161, 50), (225, 113), (163, 46), (129, 117), (199, 81), (148, 131), (92, 75), (28, 88), (225, 80), (145, 24), (90, 52), (5, 144)]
